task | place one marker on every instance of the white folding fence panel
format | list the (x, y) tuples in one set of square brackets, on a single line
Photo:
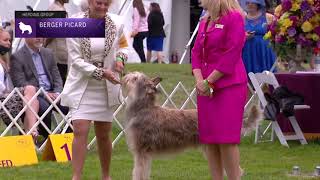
[(60, 128), (63, 122), (179, 90)]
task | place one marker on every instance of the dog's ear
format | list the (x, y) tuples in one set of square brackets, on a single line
[(151, 89), (156, 80)]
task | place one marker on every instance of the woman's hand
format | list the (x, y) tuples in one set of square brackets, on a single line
[(250, 34), (53, 96), (133, 33), (119, 67), (111, 76), (202, 89)]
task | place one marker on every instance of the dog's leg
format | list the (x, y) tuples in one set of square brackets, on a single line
[(148, 166), (142, 167), (204, 150), (241, 171)]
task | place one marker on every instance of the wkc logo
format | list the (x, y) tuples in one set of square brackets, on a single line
[(59, 27)]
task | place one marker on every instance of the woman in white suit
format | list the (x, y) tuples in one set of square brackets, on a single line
[(92, 87)]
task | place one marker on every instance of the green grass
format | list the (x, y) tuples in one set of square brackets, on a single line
[(264, 161)]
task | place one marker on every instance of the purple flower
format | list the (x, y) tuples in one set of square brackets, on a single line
[(286, 5), (304, 41), (317, 30), (318, 44), (308, 43), (304, 6), (292, 31), (307, 15)]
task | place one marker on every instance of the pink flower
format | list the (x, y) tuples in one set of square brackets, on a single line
[(279, 39), (294, 19), (272, 27), (317, 6), (317, 30)]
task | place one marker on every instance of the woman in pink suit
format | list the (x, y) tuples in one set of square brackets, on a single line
[(221, 83)]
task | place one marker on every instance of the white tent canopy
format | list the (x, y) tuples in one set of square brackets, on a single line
[(176, 14)]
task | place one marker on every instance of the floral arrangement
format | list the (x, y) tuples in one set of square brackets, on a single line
[(297, 22)]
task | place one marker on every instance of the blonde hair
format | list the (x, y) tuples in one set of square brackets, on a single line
[(4, 59), (218, 8), (109, 1)]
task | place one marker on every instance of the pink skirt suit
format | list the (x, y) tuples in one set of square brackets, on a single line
[(219, 48)]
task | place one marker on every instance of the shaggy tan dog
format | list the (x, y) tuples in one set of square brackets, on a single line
[(152, 130)]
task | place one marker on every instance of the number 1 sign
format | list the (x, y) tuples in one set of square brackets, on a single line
[(58, 148)]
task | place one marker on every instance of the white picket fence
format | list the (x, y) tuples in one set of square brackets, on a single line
[(62, 121)]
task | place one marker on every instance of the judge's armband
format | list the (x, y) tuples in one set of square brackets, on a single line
[(210, 86), (121, 57)]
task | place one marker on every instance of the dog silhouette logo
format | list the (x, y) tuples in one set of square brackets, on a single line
[(25, 27)]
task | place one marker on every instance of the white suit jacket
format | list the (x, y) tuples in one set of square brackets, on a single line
[(80, 70)]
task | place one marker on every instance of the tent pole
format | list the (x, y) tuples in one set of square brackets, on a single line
[(189, 43), (127, 10), (36, 5), (125, 2)]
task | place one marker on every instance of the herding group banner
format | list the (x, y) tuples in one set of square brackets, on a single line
[(49, 24)]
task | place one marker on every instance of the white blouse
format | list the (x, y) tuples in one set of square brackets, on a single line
[(5, 84)]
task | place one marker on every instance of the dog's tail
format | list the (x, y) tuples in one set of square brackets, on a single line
[(253, 118)]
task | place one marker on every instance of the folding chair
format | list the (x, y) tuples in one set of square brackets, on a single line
[(268, 78)]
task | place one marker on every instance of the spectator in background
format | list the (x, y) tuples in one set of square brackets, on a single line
[(9, 27), (15, 104), (243, 4), (269, 4), (156, 32), (58, 45), (139, 28), (34, 65), (257, 55)]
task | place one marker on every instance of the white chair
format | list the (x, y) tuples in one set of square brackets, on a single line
[(258, 79)]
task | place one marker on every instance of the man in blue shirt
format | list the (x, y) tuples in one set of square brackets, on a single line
[(36, 66)]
